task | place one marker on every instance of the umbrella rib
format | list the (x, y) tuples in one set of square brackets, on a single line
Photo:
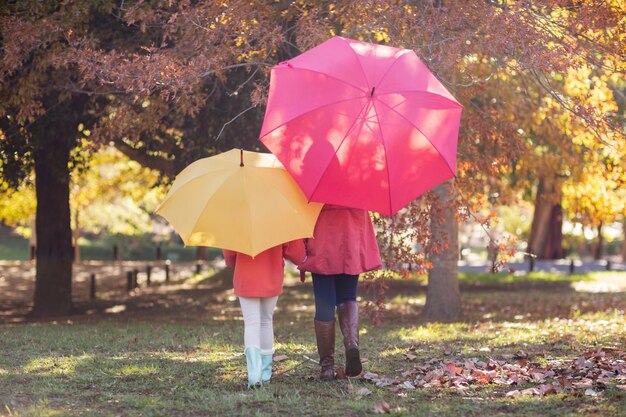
[(439, 96), (170, 196), (382, 140), (173, 190), (310, 111), (338, 147), (427, 138), (382, 77), (250, 208), (357, 60), (226, 178)]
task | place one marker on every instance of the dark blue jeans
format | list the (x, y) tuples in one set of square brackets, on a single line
[(330, 291)]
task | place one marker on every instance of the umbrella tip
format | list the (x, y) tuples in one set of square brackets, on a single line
[(241, 157), (372, 92)]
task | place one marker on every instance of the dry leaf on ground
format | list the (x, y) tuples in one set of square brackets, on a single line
[(382, 407)]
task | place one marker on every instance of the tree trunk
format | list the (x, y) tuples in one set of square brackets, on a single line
[(32, 241), (546, 236), (76, 237), (443, 297), (202, 253), (597, 250), (53, 138), (624, 242)]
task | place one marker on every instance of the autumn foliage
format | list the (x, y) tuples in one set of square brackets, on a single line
[(168, 82)]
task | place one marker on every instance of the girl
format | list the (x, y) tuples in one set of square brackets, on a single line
[(344, 247), (258, 282)]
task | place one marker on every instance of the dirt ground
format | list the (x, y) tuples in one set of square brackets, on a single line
[(17, 281)]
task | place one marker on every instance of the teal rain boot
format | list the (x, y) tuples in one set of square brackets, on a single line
[(254, 363), (266, 360)]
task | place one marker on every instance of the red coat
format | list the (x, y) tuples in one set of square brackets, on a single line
[(262, 276), (344, 243)]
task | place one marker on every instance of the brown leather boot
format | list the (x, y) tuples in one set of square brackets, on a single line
[(348, 313), (325, 335)]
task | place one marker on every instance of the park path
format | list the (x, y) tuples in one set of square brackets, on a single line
[(562, 266)]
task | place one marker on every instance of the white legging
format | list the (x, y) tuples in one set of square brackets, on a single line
[(258, 326)]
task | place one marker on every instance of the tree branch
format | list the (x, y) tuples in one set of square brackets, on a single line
[(162, 165)]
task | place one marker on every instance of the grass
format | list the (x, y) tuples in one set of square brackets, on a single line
[(13, 247), (177, 351)]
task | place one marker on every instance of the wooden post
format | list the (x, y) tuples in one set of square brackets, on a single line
[(608, 265), (531, 263), (135, 276), (148, 272), (198, 268), (167, 271), (92, 287), (129, 281), (571, 267)]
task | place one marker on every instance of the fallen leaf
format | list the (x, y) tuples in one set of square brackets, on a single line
[(530, 391), (453, 369), (565, 382), (583, 383), (547, 389), (520, 354), (538, 377), (361, 392), (369, 376), (481, 377), (407, 385), (383, 382), (514, 393), (382, 407)]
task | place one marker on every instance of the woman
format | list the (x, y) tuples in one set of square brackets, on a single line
[(343, 247), (258, 282)]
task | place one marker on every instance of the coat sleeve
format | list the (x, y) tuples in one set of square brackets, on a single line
[(230, 257), (295, 251)]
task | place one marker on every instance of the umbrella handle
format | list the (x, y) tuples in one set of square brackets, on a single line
[(241, 157)]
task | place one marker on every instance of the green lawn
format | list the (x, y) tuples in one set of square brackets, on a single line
[(13, 247), (177, 351)]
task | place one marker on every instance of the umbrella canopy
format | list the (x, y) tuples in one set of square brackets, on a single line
[(361, 125), (238, 200)]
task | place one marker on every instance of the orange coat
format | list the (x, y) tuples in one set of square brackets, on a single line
[(262, 276)]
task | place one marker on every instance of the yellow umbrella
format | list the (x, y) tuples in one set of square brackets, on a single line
[(238, 200)]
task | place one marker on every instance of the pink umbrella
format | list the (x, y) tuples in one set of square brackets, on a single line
[(361, 125)]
